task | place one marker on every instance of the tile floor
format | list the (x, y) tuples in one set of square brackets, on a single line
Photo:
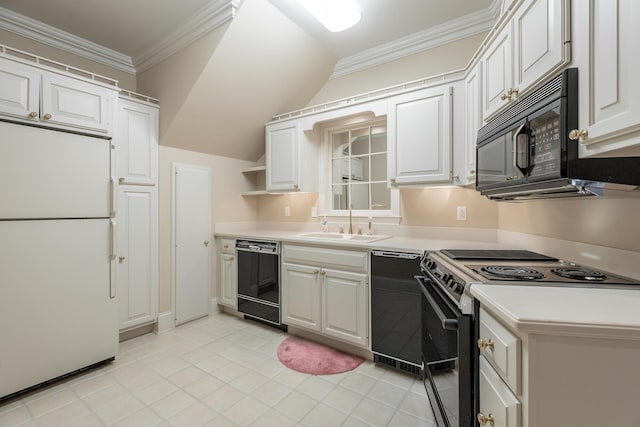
[(220, 371)]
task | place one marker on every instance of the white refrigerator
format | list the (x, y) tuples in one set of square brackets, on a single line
[(58, 311)]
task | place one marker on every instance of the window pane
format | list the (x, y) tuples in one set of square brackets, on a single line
[(380, 196), (360, 196), (340, 144), (379, 167), (340, 196), (379, 139), (360, 168), (360, 142)]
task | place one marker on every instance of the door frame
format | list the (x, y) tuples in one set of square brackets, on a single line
[(174, 168)]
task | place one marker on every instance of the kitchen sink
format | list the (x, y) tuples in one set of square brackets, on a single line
[(342, 236)]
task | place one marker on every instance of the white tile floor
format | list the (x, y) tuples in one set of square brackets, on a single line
[(220, 371)]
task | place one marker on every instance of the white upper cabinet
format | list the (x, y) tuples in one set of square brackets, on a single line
[(419, 137), (137, 138), (497, 83), (67, 101), (19, 90), (32, 95), (530, 47), (539, 28), (606, 34), (283, 156), (473, 120)]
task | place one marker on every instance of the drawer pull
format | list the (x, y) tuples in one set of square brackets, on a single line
[(485, 345), (484, 419)]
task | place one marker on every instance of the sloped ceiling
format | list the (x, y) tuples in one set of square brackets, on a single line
[(260, 64)]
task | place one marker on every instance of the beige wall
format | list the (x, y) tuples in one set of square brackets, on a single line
[(227, 205), (125, 80), (442, 59), (606, 221)]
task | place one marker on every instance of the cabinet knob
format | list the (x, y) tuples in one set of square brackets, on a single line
[(322, 272), (47, 116), (296, 187), (485, 345), (576, 134), (121, 180), (504, 97), (316, 271), (206, 243), (121, 259), (225, 246), (392, 181), (33, 114), (484, 419), (472, 172)]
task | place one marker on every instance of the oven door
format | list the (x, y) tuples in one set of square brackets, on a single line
[(447, 352)]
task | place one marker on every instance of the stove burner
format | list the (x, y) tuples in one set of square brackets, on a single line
[(509, 272), (579, 273)]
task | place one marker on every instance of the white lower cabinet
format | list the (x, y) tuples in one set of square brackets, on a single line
[(498, 405), (137, 267), (228, 274), (320, 293)]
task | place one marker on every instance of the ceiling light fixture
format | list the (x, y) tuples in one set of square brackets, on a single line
[(335, 15)]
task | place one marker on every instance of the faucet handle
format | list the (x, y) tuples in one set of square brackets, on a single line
[(341, 229)]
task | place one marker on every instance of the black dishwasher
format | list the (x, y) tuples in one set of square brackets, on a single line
[(395, 310)]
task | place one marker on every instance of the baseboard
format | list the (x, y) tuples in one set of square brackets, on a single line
[(165, 322), (214, 308)]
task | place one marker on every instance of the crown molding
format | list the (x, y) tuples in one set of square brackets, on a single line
[(207, 19), (54, 37), (439, 35)]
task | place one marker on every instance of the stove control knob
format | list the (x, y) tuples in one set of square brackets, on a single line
[(446, 278), (431, 264)]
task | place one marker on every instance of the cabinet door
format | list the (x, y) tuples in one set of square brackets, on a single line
[(137, 142), (496, 400), (228, 280), (345, 306), (539, 40), (473, 120), (300, 296), (607, 54), (19, 91), (419, 137), (137, 267), (74, 103), (497, 73), (283, 156)]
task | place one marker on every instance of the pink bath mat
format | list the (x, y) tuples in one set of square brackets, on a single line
[(315, 359)]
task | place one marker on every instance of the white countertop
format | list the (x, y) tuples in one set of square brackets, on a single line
[(610, 313), (393, 243)]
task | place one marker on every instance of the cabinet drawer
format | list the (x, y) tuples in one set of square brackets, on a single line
[(349, 260), (228, 246), (497, 402), (502, 348)]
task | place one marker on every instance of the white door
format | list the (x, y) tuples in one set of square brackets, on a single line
[(192, 241), (497, 76), (137, 262)]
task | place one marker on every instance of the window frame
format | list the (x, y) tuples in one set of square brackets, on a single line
[(326, 197)]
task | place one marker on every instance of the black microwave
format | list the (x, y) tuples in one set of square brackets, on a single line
[(525, 152)]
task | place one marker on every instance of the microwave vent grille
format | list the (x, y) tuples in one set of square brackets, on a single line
[(524, 104)]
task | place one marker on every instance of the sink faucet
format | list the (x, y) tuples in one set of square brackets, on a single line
[(350, 219)]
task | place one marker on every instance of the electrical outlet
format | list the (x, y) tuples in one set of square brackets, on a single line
[(287, 211), (314, 212), (462, 213)]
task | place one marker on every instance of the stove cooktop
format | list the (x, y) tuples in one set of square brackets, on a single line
[(495, 254), (544, 272)]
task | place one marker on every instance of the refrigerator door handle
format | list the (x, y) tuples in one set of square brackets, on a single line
[(112, 261), (114, 196)]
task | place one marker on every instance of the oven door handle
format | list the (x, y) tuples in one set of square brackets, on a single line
[(447, 323)]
